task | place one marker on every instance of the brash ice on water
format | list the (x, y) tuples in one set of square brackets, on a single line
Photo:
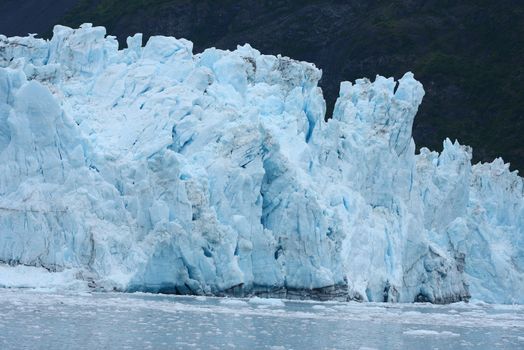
[(155, 169)]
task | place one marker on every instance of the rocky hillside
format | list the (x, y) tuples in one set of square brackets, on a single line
[(468, 54)]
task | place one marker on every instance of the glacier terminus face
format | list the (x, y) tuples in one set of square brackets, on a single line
[(155, 169)]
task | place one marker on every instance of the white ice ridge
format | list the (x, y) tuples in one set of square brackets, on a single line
[(155, 169)]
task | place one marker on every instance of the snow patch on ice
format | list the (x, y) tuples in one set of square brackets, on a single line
[(37, 277)]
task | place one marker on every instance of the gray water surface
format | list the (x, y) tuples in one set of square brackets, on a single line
[(44, 320)]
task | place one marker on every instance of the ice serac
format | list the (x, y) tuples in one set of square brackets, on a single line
[(155, 169)]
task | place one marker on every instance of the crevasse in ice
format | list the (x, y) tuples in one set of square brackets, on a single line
[(155, 169)]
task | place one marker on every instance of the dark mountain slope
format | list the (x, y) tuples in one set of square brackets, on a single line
[(20, 17), (469, 54)]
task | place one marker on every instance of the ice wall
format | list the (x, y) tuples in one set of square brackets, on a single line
[(151, 168)]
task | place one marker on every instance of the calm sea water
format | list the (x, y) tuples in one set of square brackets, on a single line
[(45, 320)]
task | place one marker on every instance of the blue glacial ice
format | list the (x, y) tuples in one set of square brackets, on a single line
[(155, 169)]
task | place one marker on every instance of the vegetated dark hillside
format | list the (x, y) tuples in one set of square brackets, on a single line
[(20, 17), (468, 54)]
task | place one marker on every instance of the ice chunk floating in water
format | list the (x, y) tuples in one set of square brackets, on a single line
[(147, 321), (155, 169)]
